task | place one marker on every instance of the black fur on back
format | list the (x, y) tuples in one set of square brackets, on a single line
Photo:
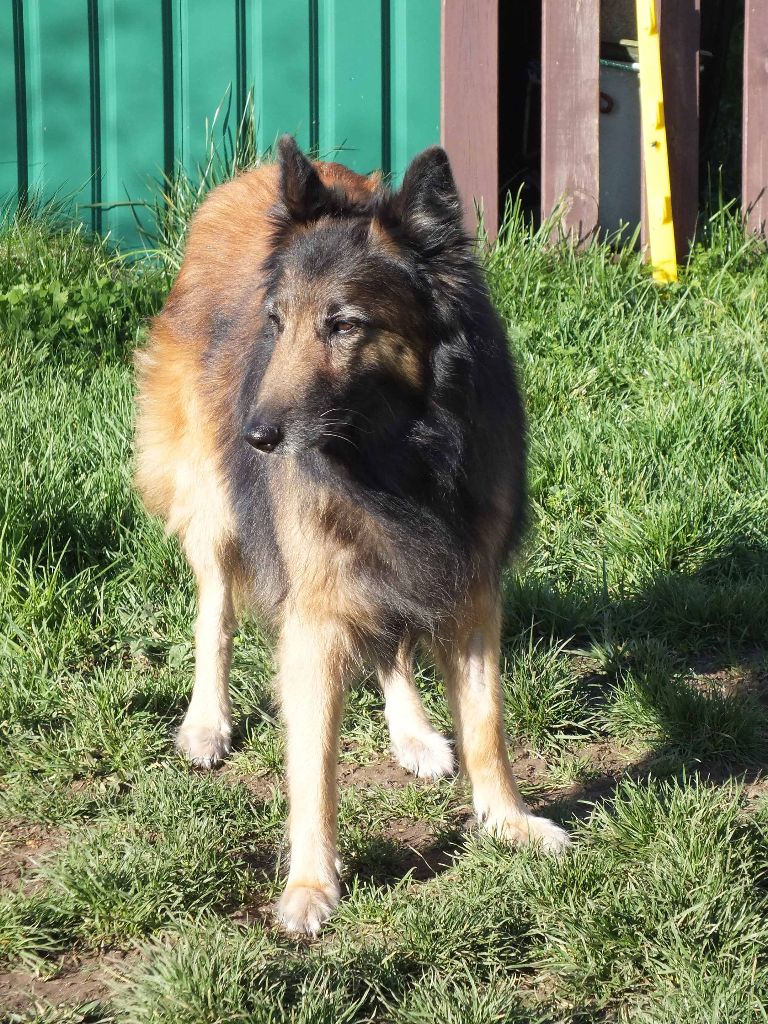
[(440, 468)]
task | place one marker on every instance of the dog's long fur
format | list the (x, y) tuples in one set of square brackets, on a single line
[(357, 323)]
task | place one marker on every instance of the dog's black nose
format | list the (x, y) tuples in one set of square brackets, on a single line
[(264, 436)]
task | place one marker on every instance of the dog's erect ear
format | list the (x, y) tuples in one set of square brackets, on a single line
[(428, 203), (301, 190)]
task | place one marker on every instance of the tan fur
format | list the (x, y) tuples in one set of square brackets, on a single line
[(293, 365), (470, 663), (319, 556), (314, 669), (390, 352)]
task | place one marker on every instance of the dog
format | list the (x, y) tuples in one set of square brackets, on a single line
[(329, 420)]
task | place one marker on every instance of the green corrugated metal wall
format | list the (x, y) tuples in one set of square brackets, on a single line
[(109, 93)]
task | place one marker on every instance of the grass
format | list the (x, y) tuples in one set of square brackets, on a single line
[(634, 670)]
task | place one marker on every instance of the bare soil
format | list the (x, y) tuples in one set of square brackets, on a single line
[(74, 980), (22, 847)]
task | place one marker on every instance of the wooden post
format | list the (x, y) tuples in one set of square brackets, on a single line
[(754, 167), (469, 104), (570, 112), (680, 28)]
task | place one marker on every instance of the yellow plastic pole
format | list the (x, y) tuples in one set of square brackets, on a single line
[(661, 229)]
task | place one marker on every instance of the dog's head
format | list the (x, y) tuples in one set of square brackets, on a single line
[(356, 290)]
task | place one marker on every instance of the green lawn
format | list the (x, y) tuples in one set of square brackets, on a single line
[(136, 889)]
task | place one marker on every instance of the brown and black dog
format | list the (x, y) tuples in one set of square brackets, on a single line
[(328, 418)]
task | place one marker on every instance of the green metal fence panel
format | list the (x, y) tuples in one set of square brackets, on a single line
[(281, 65), (58, 98), (350, 77), (415, 80), (9, 145), (135, 142), (208, 40), (111, 96)]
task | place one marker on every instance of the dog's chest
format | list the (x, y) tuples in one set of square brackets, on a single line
[(332, 554)]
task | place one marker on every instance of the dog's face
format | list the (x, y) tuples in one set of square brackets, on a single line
[(342, 325), (346, 332)]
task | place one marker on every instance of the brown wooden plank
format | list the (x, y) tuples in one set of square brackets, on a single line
[(680, 32), (680, 28), (754, 170), (570, 111), (469, 103)]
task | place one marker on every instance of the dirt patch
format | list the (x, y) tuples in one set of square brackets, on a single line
[(22, 847), (259, 786), (376, 773), (74, 981), (420, 851), (747, 676), (756, 792), (358, 775)]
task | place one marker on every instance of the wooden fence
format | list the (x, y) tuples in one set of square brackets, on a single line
[(570, 61)]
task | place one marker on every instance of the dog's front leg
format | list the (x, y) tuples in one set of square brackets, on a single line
[(205, 735), (471, 664), (416, 744), (312, 674)]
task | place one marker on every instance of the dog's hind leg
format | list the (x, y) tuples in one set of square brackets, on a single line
[(471, 664), (312, 673), (205, 735), (416, 745)]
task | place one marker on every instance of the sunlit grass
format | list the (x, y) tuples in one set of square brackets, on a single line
[(645, 564)]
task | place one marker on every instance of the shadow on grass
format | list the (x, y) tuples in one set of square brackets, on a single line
[(721, 605), (381, 861), (73, 540), (659, 764)]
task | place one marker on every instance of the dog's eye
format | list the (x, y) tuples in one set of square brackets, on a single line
[(343, 327)]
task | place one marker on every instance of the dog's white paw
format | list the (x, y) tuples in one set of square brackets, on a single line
[(203, 745), (304, 909), (429, 755), (524, 829)]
